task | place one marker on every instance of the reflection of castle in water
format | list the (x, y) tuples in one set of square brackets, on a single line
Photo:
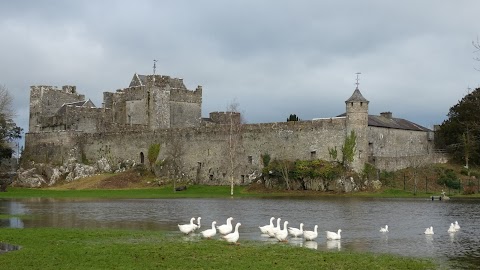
[(12, 208)]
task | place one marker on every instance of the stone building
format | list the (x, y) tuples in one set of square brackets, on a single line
[(160, 109)]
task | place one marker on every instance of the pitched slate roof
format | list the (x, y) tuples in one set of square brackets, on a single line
[(396, 123), (84, 103), (390, 122)]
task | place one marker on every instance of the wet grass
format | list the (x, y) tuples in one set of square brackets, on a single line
[(161, 192), (199, 191), (53, 248), (3, 216)]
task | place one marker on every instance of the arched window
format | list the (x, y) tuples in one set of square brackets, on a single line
[(142, 158)]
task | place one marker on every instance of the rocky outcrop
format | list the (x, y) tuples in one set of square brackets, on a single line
[(40, 174), (316, 184), (344, 185), (373, 184), (78, 171), (103, 165), (29, 178)]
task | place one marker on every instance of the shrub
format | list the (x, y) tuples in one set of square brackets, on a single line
[(449, 179)]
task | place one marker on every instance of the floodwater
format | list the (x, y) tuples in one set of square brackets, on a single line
[(359, 218)]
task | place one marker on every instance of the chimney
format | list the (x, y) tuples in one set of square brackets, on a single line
[(387, 115)]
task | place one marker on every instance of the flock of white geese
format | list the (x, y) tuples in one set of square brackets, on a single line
[(231, 234)]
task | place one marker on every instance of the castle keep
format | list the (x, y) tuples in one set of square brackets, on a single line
[(160, 109)]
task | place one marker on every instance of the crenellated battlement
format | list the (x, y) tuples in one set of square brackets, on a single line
[(156, 101), (161, 109)]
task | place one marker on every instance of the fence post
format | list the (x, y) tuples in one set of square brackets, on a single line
[(426, 181), (404, 182)]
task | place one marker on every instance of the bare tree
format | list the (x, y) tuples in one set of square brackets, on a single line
[(8, 129), (234, 137), (476, 45), (6, 103), (286, 167), (416, 162)]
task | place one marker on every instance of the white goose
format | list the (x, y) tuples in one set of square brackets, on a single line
[(210, 232), (233, 237), (310, 235), (334, 235), (282, 235), (457, 227), (384, 229), (295, 232), (187, 228), (264, 229), (271, 232), (429, 231), (452, 228), (197, 226), (225, 228)]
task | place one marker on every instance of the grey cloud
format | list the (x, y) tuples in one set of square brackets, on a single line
[(274, 57)]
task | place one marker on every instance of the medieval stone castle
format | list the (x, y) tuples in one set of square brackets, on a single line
[(160, 109)]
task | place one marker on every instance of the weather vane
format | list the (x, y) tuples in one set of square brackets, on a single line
[(357, 83), (154, 65)]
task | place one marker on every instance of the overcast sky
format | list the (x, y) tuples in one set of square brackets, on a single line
[(274, 58)]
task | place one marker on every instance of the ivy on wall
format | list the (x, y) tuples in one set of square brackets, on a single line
[(348, 149)]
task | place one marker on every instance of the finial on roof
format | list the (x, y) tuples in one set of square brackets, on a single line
[(357, 83)]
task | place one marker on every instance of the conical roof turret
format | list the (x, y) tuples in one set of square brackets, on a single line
[(356, 97)]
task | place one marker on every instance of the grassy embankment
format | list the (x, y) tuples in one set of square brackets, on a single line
[(131, 184), (53, 248)]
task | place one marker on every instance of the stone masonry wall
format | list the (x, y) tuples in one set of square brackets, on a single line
[(185, 114), (205, 148), (395, 149), (46, 100), (160, 109)]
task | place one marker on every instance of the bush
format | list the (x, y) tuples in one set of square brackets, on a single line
[(301, 169), (469, 188), (449, 179), (369, 172)]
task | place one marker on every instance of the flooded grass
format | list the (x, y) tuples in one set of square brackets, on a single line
[(198, 191), (53, 248)]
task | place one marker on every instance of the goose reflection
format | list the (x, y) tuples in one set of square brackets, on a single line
[(311, 244), (429, 239), (334, 244), (452, 237)]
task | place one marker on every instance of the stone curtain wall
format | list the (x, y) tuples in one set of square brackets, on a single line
[(205, 148), (392, 149), (50, 147)]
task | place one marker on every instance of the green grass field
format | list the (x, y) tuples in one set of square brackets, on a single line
[(198, 191), (54, 248)]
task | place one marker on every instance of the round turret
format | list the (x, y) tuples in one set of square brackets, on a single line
[(357, 121)]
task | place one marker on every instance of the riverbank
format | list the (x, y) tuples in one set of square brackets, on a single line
[(198, 191), (55, 248), (131, 184)]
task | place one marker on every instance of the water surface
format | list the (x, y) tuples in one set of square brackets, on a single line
[(359, 218)]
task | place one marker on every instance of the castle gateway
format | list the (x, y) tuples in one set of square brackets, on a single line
[(157, 109)]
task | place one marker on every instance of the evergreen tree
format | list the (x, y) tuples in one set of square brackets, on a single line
[(459, 134), (293, 117)]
